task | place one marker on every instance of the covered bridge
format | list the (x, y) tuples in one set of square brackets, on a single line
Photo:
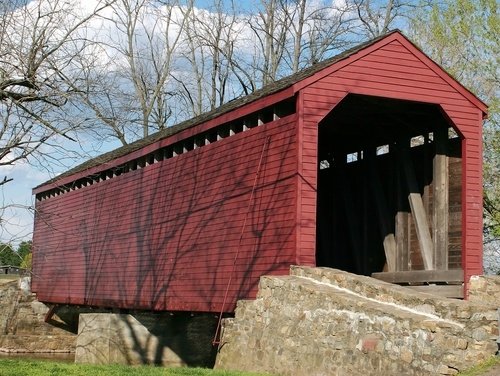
[(368, 162)]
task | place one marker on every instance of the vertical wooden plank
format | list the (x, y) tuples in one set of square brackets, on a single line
[(275, 113), (389, 241), (350, 211), (402, 249), (426, 174), (401, 218), (421, 224), (365, 213), (417, 211), (299, 149), (440, 218)]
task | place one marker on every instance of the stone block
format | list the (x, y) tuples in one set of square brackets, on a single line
[(105, 338), (406, 355), (370, 343), (485, 290), (445, 370), (462, 344), (480, 334)]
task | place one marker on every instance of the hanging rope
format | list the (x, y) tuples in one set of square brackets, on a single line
[(215, 341)]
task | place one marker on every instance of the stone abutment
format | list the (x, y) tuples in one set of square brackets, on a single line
[(320, 321)]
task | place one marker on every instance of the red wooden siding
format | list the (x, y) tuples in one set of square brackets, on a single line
[(165, 237), (393, 68)]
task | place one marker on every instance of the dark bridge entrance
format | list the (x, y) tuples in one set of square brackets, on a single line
[(389, 188)]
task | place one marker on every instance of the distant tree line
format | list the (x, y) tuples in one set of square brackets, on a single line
[(16, 257)]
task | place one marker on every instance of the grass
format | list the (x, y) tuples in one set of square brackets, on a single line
[(25, 367), (482, 367), (10, 277)]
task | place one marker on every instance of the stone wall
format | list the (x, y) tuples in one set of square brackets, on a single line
[(485, 289), (321, 321), (22, 326), (164, 339), (98, 336)]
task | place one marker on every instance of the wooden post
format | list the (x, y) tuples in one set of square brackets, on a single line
[(440, 217), (349, 211), (389, 241), (275, 113), (426, 173), (401, 219), (417, 210), (402, 249)]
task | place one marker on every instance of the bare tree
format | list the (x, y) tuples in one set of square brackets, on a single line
[(191, 81), (95, 85), (124, 75), (216, 33), (317, 29), (270, 26), (378, 17), (37, 42), (208, 48), (232, 53), (149, 35)]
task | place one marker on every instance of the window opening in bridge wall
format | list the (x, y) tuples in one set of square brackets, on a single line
[(324, 164), (383, 149)]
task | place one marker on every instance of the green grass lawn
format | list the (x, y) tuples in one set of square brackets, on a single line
[(24, 367)]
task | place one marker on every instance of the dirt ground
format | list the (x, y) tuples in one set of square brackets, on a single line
[(5, 278)]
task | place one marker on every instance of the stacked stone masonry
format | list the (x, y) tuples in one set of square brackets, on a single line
[(22, 326), (485, 289), (320, 321)]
